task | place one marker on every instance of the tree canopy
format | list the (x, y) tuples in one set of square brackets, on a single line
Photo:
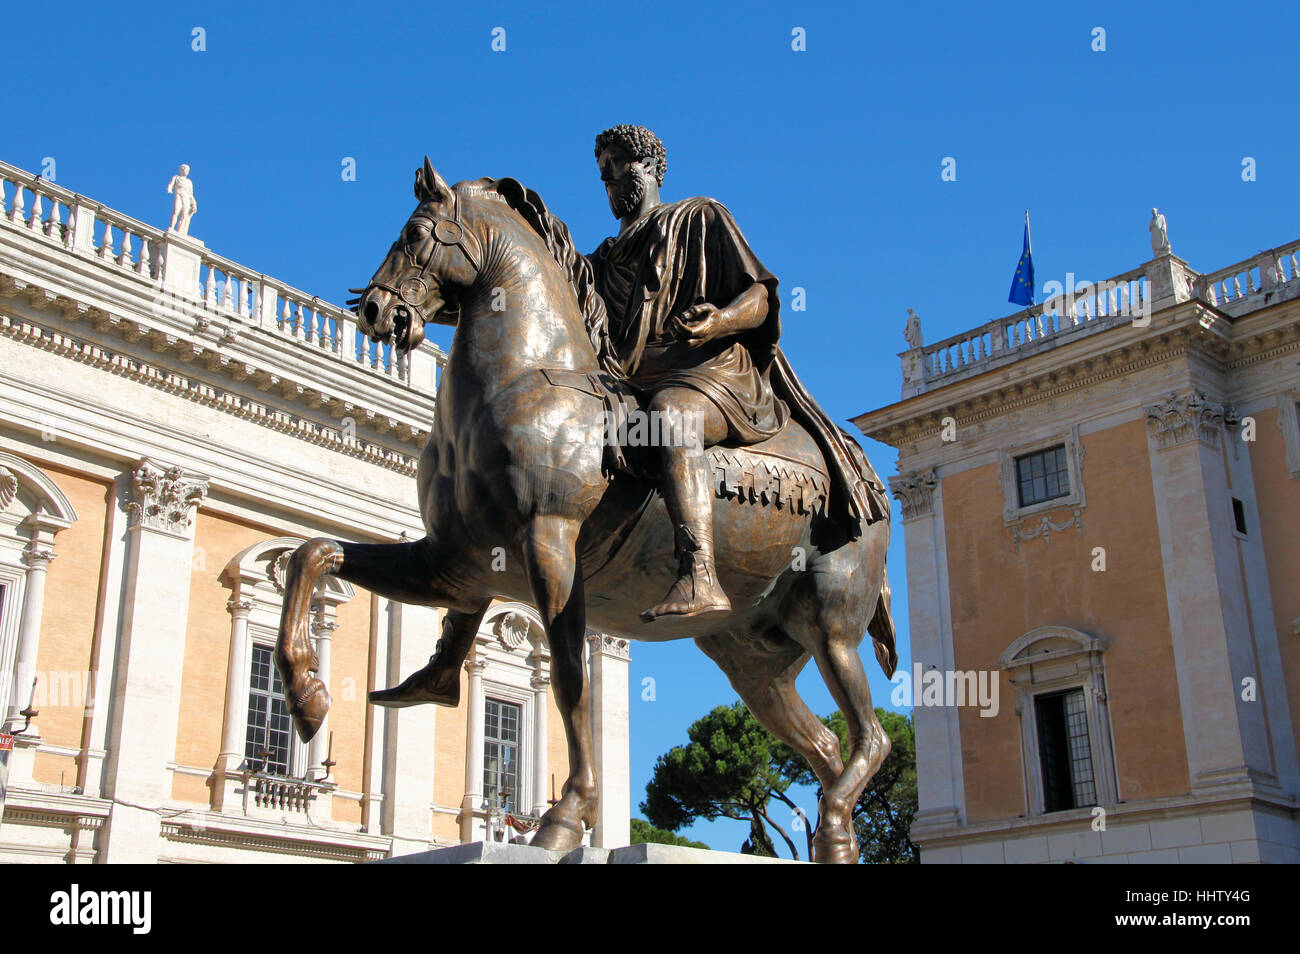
[(645, 833), (732, 767)]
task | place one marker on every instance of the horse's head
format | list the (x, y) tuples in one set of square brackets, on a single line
[(432, 261)]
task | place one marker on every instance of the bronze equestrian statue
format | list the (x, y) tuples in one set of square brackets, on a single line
[(771, 533)]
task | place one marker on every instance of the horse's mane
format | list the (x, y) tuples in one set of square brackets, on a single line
[(576, 268)]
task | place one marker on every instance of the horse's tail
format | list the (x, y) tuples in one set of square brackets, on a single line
[(882, 630)]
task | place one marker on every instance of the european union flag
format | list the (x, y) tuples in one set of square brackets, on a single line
[(1022, 285)]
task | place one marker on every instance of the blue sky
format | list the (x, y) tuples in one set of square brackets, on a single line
[(829, 158)]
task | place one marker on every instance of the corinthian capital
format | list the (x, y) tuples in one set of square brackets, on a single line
[(37, 556), (164, 498), (1192, 416), (915, 492), (607, 645)]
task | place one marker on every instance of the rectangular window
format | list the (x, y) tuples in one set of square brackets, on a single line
[(1065, 754), (268, 717), (1239, 515), (501, 754), (1043, 475)]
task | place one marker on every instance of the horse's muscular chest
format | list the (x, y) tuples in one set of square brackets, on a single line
[(503, 456)]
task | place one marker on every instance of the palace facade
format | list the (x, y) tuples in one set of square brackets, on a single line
[(172, 426), (1101, 501)]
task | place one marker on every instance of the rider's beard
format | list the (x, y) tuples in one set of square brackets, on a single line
[(625, 194)]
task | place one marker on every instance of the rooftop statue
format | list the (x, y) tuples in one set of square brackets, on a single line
[(912, 330), (1159, 233), (769, 539), (184, 204)]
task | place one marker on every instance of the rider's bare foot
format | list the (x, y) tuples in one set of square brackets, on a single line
[(696, 592), (436, 683)]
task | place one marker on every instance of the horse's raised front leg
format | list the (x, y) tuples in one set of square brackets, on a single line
[(396, 571), (439, 681), (307, 697), (550, 555)]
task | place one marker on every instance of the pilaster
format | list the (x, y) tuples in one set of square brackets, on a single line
[(151, 649), (410, 734), (608, 658), (941, 791), (1226, 736)]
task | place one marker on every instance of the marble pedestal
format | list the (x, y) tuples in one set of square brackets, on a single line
[(499, 853)]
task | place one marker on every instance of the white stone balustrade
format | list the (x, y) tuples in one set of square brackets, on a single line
[(1091, 307), (225, 290), (1088, 307), (1266, 271)]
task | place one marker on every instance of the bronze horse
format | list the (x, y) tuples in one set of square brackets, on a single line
[(518, 503)]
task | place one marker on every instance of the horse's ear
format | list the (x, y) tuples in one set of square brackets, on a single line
[(429, 186)]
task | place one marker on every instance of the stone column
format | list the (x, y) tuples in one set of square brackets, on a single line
[(372, 808), (608, 658), (37, 557), (322, 628), (151, 638), (410, 735), (940, 783), (234, 727), (541, 700), (473, 799), (1226, 736)]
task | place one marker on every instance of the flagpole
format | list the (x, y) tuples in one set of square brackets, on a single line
[(1028, 234)]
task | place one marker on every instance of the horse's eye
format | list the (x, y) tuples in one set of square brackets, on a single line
[(416, 231)]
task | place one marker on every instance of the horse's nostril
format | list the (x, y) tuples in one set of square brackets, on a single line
[(372, 312)]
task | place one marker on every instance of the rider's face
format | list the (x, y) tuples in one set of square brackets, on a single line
[(624, 178)]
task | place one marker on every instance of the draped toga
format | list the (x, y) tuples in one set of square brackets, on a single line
[(690, 252), (682, 254), (678, 255)]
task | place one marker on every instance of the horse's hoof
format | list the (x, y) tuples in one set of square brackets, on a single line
[(422, 688), (558, 835), (309, 709)]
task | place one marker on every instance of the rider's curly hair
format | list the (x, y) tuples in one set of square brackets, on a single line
[(640, 142)]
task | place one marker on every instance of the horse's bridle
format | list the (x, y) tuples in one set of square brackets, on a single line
[(445, 231)]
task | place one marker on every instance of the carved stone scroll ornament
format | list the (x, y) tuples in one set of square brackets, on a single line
[(512, 630), (1177, 420), (1043, 527), (276, 569), (8, 487), (164, 499)]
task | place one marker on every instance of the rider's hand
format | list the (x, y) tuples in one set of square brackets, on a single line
[(698, 324)]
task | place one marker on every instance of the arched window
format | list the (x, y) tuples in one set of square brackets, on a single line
[(1067, 751), (506, 771), (256, 733)]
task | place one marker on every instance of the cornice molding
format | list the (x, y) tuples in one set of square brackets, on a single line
[(172, 382), (1202, 332)]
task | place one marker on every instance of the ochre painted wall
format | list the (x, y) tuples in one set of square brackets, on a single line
[(999, 595), (68, 622), (349, 662), (1277, 495), (449, 763), (217, 538)]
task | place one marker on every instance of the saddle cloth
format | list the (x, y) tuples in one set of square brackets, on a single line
[(785, 472)]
